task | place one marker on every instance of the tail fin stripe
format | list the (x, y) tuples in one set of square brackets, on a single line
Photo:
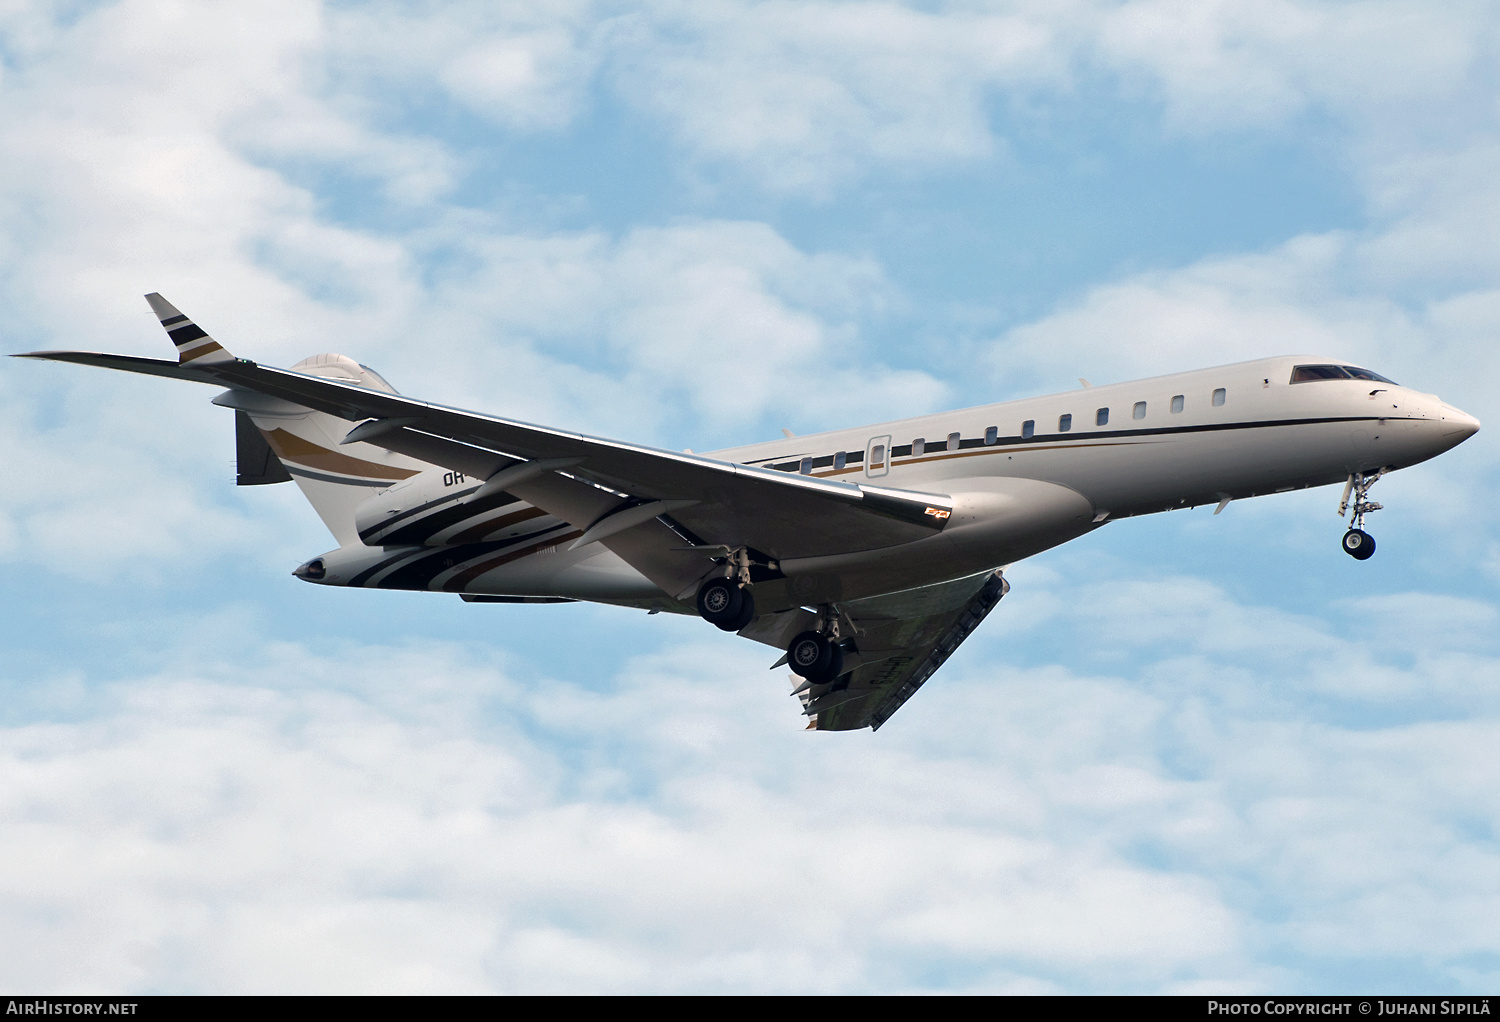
[(184, 334), (194, 353), (192, 341)]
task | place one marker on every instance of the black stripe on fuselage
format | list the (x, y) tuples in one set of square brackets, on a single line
[(423, 529), (393, 519), (474, 550), (379, 566), (1111, 434), (420, 572), (938, 448)]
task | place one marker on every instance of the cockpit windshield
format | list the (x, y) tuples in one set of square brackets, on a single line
[(1308, 374)]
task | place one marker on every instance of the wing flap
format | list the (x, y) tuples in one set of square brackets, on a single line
[(902, 639)]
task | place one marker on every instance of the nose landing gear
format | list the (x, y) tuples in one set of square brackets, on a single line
[(1358, 543)]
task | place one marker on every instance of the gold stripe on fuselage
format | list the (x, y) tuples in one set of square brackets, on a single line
[(290, 447)]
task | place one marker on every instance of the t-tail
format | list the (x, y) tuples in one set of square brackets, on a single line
[(277, 440), (192, 341)]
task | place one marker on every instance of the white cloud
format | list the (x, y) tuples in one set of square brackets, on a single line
[(1237, 63), (803, 95), (421, 818), (1217, 311), (723, 322), (527, 66), (256, 832)]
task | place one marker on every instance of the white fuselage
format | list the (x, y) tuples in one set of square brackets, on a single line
[(1024, 476)]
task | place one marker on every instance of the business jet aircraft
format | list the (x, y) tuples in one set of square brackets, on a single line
[(866, 554)]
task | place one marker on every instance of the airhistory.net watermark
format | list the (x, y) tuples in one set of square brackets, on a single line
[(49, 1006)]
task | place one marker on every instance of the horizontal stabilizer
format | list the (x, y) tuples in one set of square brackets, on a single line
[(130, 364)]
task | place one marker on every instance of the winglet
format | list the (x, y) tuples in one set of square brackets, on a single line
[(193, 343)]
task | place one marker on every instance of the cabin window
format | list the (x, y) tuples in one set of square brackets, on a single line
[(1064, 423), (1028, 429), (805, 467), (839, 460), (1218, 397), (1101, 417), (1177, 402), (877, 455), (991, 435), (952, 441), (918, 446), (1140, 410)]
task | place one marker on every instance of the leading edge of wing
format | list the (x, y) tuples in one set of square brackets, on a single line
[(127, 363), (635, 469)]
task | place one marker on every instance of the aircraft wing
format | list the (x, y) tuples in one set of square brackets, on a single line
[(900, 640), (710, 502)]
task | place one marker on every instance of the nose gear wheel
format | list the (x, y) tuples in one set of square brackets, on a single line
[(1358, 543)]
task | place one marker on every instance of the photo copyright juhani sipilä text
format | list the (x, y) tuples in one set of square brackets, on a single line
[(1373, 1006)]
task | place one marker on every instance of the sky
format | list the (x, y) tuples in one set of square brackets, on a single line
[(1187, 753)]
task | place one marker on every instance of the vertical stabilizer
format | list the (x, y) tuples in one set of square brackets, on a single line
[(192, 341)]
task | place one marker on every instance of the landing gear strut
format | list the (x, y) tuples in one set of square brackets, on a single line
[(1358, 543)]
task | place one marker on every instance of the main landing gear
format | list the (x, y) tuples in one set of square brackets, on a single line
[(1358, 543), (818, 655), (726, 601)]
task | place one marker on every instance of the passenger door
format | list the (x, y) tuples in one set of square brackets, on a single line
[(878, 456)]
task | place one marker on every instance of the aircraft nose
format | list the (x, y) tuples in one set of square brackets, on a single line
[(1458, 425)]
